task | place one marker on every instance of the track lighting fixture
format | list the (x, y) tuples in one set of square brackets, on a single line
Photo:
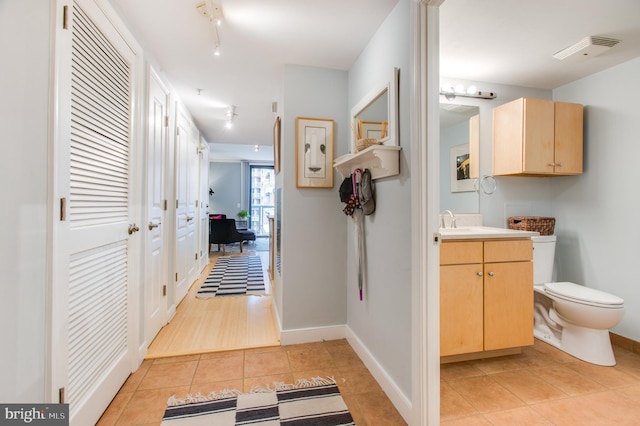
[(213, 12)]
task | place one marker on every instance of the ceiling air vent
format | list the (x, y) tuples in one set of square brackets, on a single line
[(587, 47)]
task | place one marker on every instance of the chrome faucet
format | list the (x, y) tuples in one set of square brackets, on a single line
[(453, 219)]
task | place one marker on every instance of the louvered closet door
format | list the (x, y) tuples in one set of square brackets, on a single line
[(99, 214)]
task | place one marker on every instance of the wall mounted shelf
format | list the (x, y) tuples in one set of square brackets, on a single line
[(381, 160)]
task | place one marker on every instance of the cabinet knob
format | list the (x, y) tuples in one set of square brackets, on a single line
[(479, 274), (552, 164), (559, 164), (490, 274)]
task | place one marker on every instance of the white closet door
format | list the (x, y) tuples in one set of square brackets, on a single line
[(184, 223), (156, 276), (92, 245)]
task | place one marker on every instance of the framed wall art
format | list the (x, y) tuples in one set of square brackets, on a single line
[(276, 146), (460, 169), (314, 153)]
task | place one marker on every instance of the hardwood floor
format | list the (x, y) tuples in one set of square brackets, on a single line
[(220, 323)]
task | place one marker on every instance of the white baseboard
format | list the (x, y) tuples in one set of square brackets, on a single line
[(398, 399), (316, 334)]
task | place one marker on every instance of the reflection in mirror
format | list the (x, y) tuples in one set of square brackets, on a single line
[(376, 114), (372, 122), (459, 157)]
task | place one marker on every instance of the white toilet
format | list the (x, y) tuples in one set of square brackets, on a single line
[(572, 317)]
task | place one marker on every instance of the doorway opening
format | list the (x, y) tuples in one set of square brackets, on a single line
[(261, 201)]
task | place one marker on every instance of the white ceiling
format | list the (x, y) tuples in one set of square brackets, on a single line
[(499, 41)]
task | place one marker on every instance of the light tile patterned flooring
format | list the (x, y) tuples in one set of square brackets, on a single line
[(142, 399), (541, 386)]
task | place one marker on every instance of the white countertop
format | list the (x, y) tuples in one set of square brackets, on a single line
[(483, 232)]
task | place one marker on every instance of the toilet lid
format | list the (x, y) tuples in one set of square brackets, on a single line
[(579, 293)]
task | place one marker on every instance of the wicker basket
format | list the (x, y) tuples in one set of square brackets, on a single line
[(362, 144), (543, 225)]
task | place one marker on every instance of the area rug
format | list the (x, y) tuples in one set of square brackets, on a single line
[(307, 402), (234, 276)]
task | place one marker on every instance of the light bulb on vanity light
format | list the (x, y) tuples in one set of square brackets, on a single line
[(216, 51)]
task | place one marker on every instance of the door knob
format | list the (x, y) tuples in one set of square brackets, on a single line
[(153, 225), (189, 218), (133, 228)]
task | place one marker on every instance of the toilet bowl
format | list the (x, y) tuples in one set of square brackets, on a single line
[(569, 316)]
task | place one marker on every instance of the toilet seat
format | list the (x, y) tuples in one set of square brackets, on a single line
[(583, 295)]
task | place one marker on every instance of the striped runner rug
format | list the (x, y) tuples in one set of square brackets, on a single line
[(234, 276), (309, 402)]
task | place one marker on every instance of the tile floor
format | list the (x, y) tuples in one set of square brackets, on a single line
[(541, 386), (142, 399)]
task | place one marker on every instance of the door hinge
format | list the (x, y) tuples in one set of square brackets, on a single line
[(165, 205), (178, 131), (65, 17), (196, 204), (164, 290), (176, 277), (63, 209), (166, 121), (61, 395), (196, 256), (176, 204)]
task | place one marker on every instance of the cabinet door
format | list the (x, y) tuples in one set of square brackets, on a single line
[(508, 305), (568, 138), (538, 152), (461, 309)]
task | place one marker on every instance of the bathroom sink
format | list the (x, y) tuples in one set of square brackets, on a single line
[(483, 232)]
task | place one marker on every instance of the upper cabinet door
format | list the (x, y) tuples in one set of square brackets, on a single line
[(568, 138), (538, 138)]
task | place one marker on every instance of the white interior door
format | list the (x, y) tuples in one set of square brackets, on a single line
[(183, 249), (156, 277), (94, 240)]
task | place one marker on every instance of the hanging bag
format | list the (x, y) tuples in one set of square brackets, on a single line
[(352, 201), (367, 201)]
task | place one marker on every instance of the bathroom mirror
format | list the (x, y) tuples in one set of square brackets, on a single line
[(459, 157), (376, 115)]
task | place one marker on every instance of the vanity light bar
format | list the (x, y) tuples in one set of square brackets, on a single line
[(479, 94)]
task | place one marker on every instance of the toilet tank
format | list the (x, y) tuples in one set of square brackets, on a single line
[(544, 250)]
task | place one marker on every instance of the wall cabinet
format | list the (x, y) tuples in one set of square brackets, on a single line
[(537, 137), (486, 295)]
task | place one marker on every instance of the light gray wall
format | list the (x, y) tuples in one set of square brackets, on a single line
[(24, 114), (313, 226), (226, 181), (382, 321), (596, 212)]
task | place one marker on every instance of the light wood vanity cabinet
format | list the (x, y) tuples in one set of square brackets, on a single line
[(537, 137), (486, 295)]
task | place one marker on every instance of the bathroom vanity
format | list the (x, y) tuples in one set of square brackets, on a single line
[(486, 297)]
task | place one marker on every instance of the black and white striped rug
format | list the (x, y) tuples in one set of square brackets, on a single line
[(309, 402), (234, 276)]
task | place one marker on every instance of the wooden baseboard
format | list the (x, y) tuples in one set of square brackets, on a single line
[(625, 343)]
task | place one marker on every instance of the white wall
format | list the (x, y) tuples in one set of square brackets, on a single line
[(382, 321), (24, 47), (313, 226), (596, 212)]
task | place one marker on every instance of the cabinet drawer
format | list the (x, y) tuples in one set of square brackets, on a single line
[(508, 251), (458, 253)]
